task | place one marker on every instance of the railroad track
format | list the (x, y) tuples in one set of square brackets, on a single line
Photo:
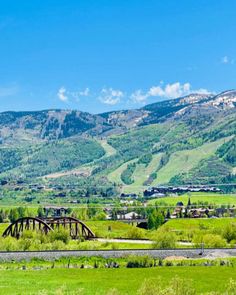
[(51, 255)]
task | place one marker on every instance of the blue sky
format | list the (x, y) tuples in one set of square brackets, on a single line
[(100, 55)]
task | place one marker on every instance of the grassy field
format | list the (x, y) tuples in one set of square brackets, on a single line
[(102, 281), (185, 160), (198, 224), (191, 230), (211, 198), (111, 229)]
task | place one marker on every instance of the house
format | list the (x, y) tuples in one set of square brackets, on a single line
[(127, 202), (131, 195), (177, 212), (55, 211), (129, 216)]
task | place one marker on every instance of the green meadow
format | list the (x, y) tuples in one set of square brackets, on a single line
[(199, 198), (111, 281), (198, 224)]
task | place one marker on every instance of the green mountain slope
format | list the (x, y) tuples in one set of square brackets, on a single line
[(186, 140), (45, 158)]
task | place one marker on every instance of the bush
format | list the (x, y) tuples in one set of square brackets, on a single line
[(165, 240), (229, 232), (135, 233), (9, 244), (233, 243), (58, 245), (60, 235), (214, 241), (197, 239), (139, 262)]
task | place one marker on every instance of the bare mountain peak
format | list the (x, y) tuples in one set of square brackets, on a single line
[(195, 98), (56, 124), (224, 100)]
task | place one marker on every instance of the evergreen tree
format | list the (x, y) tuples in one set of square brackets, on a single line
[(189, 202), (151, 221), (21, 212), (1, 216), (13, 215), (40, 212), (159, 220), (168, 214)]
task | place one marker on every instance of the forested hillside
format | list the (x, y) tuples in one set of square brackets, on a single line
[(186, 140)]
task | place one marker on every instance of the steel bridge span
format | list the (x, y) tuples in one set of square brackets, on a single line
[(76, 227)]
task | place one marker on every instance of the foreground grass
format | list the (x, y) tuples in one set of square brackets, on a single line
[(100, 281)]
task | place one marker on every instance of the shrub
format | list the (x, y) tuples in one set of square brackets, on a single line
[(60, 235), (214, 241), (9, 244), (139, 262), (58, 245), (232, 243), (229, 232), (197, 239), (165, 240), (135, 233), (114, 246)]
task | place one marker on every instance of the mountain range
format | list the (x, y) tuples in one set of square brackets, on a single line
[(184, 140)]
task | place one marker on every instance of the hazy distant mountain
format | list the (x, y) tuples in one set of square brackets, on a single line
[(55, 124)]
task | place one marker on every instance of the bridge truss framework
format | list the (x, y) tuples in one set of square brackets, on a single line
[(77, 229)]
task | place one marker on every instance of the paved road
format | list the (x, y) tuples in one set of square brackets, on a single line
[(129, 241), (187, 253)]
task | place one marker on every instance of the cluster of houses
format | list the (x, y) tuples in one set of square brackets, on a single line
[(161, 191), (189, 211)]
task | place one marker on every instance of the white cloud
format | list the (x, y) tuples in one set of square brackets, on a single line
[(156, 91), (227, 60), (78, 94), (176, 90), (168, 91), (62, 94), (110, 96), (85, 92), (139, 97)]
